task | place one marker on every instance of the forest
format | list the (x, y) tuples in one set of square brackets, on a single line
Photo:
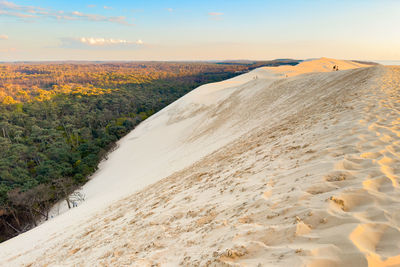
[(59, 120)]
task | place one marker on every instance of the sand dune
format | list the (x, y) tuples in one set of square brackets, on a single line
[(321, 65), (259, 170)]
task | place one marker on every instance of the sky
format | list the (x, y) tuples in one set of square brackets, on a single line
[(40, 30)]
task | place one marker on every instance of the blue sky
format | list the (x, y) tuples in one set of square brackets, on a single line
[(198, 30)]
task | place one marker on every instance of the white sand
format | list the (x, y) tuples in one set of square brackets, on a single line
[(271, 171)]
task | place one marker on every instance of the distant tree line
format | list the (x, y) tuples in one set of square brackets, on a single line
[(37, 82)]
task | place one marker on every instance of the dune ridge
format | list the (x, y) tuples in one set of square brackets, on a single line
[(307, 174)]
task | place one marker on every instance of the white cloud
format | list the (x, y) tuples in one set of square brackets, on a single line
[(10, 5), (94, 17), (215, 15), (170, 9), (16, 14), (106, 42), (3, 37), (30, 12), (107, 7)]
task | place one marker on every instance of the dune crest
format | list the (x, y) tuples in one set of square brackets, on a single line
[(259, 170), (323, 64)]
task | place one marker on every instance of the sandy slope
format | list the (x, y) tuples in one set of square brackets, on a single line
[(262, 171), (321, 65)]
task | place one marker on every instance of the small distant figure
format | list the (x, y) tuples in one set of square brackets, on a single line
[(74, 204), (335, 67)]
